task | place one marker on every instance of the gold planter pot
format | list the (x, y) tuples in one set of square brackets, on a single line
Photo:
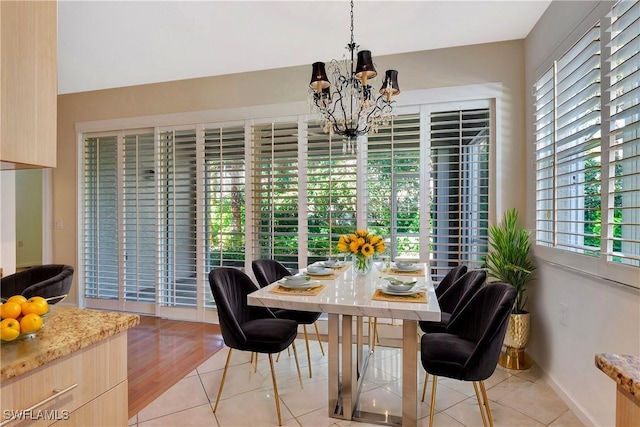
[(515, 341)]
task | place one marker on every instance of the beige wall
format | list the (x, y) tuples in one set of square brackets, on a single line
[(28, 217), (602, 317), (486, 63)]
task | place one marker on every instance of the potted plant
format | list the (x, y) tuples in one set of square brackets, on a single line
[(509, 261)]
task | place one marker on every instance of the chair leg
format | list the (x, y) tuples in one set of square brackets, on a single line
[(373, 333), (432, 410), (275, 389), (486, 403), (424, 388), (318, 336), (306, 343), (295, 354), (253, 362), (483, 403), (224, 377)]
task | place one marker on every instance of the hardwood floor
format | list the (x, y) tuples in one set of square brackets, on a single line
[(161, 352)]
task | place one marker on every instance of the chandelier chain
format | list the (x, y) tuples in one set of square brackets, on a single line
[(351, 22)]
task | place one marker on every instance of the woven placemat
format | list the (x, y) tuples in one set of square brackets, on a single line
[(337, 272), (304, 292), (417, 297), (391, 270)]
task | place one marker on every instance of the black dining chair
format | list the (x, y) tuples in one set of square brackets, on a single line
[(268, 271), (450, 278), (249, 328), (451, 302), (470, 347), (454, 299)]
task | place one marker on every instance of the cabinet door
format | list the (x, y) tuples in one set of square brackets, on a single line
[(28, 83), (62, 386), (109, 408)]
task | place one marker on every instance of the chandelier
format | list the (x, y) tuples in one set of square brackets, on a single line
[(346, 103)]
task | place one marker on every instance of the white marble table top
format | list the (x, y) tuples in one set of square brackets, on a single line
[(350, 294)]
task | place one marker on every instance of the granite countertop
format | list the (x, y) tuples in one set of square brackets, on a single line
[(623, 369), (66, 330)]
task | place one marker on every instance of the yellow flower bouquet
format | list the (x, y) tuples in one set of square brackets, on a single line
[(362, 245)]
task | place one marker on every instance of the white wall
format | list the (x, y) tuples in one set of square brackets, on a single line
[(602, 316)]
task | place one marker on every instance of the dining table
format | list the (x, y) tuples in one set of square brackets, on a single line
[(347, 298)]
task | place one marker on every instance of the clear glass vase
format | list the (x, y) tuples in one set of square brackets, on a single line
[(361, 264)]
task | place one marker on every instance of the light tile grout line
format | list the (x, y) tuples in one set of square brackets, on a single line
[(525, 376)]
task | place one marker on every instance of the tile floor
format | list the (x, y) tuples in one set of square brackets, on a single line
[(518, 398)]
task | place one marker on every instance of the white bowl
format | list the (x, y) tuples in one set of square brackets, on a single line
[(330, 262), (319, 270), (399, 285), (295, 280), (404, 264)]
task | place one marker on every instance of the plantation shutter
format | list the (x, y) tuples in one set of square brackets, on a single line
[(623, 221), (544, 123), (139, 218), (392, 177), (275, 191), (100, 219), (331, 193), (223, 199), (577, 146), (224, 172), (459, 188), (176, 207)]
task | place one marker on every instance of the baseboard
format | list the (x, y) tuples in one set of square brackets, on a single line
[(576, 408)]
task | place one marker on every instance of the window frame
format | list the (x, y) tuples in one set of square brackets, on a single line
[(442, 98), (600, 267)]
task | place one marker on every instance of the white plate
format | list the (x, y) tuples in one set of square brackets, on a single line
[(407, 267), (305, 285), (319, 271), (413, 290)]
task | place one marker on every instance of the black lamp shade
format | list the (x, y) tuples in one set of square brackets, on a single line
[(319, 75), (365, 66), (390, 84)]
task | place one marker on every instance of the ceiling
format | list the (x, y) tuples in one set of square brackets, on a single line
[(107, 44)]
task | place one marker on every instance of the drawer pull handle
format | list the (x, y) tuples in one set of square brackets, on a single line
[(57, 393)]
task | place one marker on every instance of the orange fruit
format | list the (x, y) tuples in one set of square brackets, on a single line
[(8, 334), (30, 323), (17, 298), (27, 308), (10, 323), (10, 310), (39, 305), (9, 329)]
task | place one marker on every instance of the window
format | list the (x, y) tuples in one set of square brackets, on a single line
[(623, 214), (100, 203), (139, 218), (275, 191), (163, 206), (459, 188), (393, 183), (587, 148), (331, 193)]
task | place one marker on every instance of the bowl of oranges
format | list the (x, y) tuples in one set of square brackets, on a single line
[(21, 317)]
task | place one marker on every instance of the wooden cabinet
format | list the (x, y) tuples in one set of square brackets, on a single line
[(85, 388), (28, 84)]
